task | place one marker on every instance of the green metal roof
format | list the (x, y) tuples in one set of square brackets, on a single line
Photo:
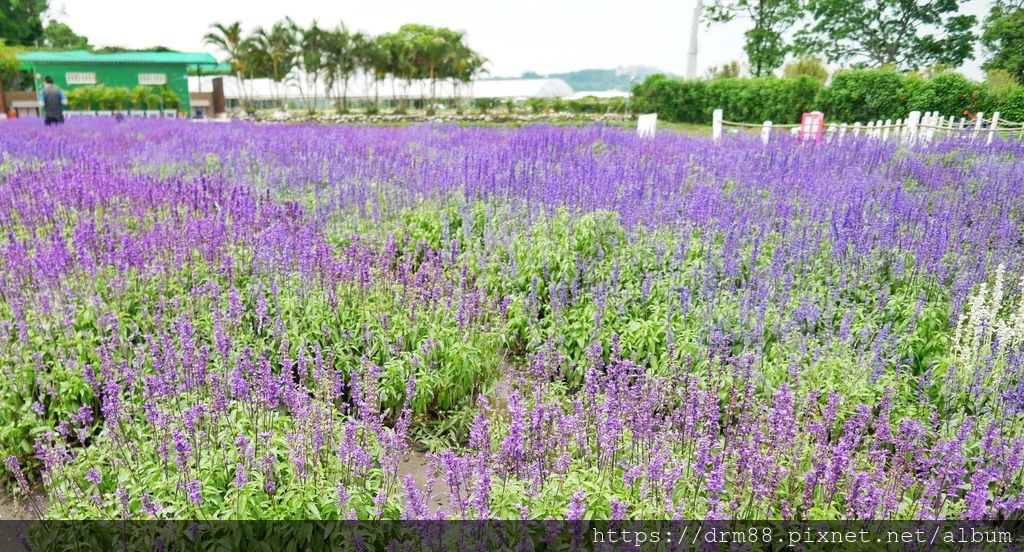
[(82, 56)]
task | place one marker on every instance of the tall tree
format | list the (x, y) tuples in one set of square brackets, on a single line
[(60, 36), (21, 21), (311, 61), (279, 49), (1003, 38), (9, 67), (908, 34), (339, 63), (764, 43), (229, 40), (401, 64)]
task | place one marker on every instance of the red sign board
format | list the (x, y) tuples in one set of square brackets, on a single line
[(812, 125)]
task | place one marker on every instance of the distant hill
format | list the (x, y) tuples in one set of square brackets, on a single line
[(596, 80)]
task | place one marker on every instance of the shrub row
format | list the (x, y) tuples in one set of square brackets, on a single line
[(853, 95)]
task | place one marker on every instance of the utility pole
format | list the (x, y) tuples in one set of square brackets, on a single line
[(691, 61)]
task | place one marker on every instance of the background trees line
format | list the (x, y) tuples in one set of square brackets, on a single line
[(289, 54), (851, 95), (907, 35)]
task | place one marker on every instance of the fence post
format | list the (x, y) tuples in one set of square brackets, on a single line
[(856, 129), (878, 128), (910, 134), (992, 129), (842, 132), (766, 132), (716, 125), (885, 132), (977, 124)]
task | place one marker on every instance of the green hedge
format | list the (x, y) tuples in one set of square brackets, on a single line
[(860, 95), (1011, 107), (853, 95)]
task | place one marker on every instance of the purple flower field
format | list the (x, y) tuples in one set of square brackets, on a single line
[(276, 322)]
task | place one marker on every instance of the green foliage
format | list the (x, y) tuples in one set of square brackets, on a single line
[(730, 70), (1011, 107), (765, 46), (85, 97), (853, 95), (744, 100), (1000, 82), (21, 21), (592, 104), (809, 66), (1003, 38), (288, 51), (9, 66), (865, 95), (485, 104), (60, 36), (144, 97), (536, 105), (951, 94), (905, 34), (99, 96), (672, 99), (116, 98)]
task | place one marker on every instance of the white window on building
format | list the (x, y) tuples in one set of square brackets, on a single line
[(80, 78), (153, 78)]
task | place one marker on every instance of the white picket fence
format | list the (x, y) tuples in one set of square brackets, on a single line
[(917, 127), (152, 113)]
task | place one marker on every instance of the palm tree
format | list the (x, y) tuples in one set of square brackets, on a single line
[(311, 60), (339, 61), (381, 64), (144, 97), (119, 97), (280, 48), (366, 53), (229, 39), (400, 64), (466, 65)]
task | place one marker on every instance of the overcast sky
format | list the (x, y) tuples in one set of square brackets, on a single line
[(546, 36)]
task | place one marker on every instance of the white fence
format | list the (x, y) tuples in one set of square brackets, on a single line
[(152, 113), (917, 127)]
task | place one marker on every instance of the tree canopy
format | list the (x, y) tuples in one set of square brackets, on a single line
[(306, 55), (60, 36), (900, 33), (763, 43), (1003, 38), (21, 21)]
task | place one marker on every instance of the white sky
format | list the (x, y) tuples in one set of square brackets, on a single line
[(546, 36)]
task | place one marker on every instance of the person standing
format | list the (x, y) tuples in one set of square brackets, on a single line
[(53, 100)]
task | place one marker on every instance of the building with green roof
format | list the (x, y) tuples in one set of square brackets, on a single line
[(75, 68)]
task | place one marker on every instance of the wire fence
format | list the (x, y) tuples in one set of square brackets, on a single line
[(917, 127)]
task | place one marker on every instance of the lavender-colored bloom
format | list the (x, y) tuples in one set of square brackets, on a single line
[(194, 490)]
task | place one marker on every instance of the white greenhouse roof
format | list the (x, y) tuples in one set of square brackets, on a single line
[(266, 89)]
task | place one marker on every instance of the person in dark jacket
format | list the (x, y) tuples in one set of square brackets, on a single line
[(53, 100)]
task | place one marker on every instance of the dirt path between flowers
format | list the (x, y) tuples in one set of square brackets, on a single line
[(418, 464), (12, 511)]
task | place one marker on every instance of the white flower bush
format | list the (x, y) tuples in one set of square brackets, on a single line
[(988, 323)]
